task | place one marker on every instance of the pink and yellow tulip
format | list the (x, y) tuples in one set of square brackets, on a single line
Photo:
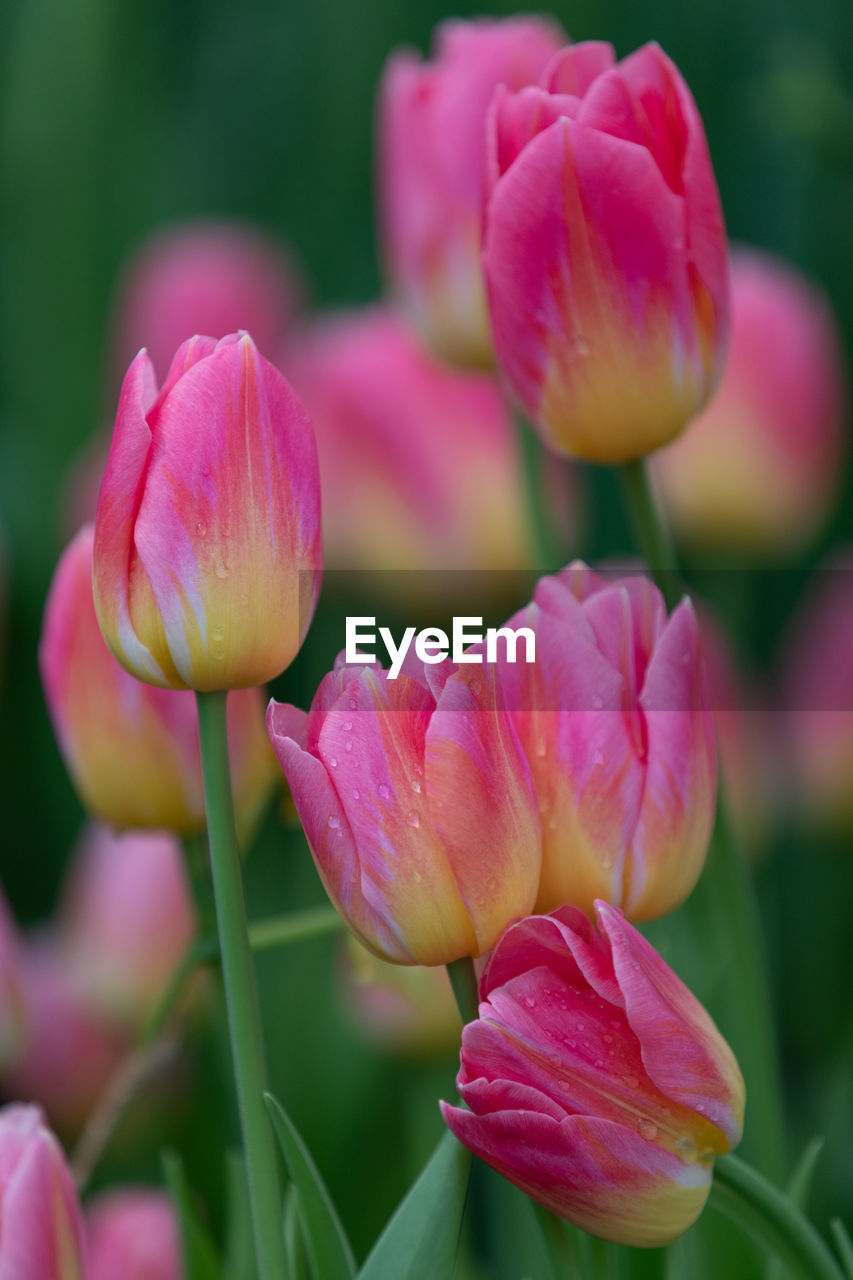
[(758, 471), (616, 723), (417, 804), (207, 538), (133, 1235), (596, 1082), (133, 750), (41, 1228), (605, 252), (432, 120)]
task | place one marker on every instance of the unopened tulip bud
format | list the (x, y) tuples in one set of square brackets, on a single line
[(126, 921), (133, 750), (41, 1228), (204, 277), (596, 1082), (605, 252), (432, 119), (133, 1235), (417, 804), (616, 723), (759, 469), (207, 538)]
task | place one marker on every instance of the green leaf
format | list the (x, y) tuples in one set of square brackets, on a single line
[(422, 1239), (240, 1245), (329, 1251), (843, 1244), (798, 1188), (294, 1235), (199, 1256)]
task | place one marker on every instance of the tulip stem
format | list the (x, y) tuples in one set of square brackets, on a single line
[(545, 542), (241, 995), (772, 1219), (564, 1262), (651, 532), (463, 980)]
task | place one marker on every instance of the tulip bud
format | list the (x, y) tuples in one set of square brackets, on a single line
[(204, 277), (126, 920), (419, 463), (70, 1054), (207, 538), (132, 750), (133, 1235), (407, 1010), (432, 167), (758, 471), (13, 1021), (605, 252), (818, 696), (401, 785), (615, 720), (41, 1229), (596, 1081)]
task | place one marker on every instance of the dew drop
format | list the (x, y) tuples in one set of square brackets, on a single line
[(226, 530), (599, 1063), (222, 570), (333, 761), (416, 786), (347, 725), (356, 794), (647, 1129), (335, 822), (417, 877), (687, 1149), (413, 819), (201, 529), (352, 704), (530, 1002), (631, 1081), (541, 747), (581, 1026), (384, 791), (348, 746), (699, 1106)]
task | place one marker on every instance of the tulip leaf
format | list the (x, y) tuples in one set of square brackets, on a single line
[(422, 1239), (294, 1235), (798, 1188), (240, 1263), (329, 1251), (200, 1261), (843, 1244)]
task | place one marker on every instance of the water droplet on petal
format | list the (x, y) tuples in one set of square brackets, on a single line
[(201, 529), (599, 1063), (631, 1082), (352, 704), (335, 822), (416, 787), (530, 1002), (333, 761), (647, 1129), (222, 570), (699, 1106), (356, 794), (347, 725), (384, 791), (413, 818), (581, 1026), (687, 1149), (348, 746)]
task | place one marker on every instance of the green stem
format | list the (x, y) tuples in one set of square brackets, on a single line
[(652, 534), (463, 980), (296, 926), (241, 996), (564, 1262), (771, 1218), (726, 882), (545, 542)]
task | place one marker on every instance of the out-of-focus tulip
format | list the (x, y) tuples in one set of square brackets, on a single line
[(203, 277), (126, 921), (207, 539), (133, 1235), (616, 723), (419, 464), (758, 471), (12, 1014), (70, 1053), (818, 696), (41, 1228), (417, 804), (597, 1082), (406, 1009), (605, 252), (132, 750), (432, 167)]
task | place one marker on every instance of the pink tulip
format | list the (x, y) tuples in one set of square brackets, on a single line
[(41, 1230), (126, 919), (615, 721), (605, 252), (818, 696), (401, 785), (419, 463), (71, 1054), (207, 538), (760, 468), (596, 1082), (133, 750), (133, 1235), (432, 168), (203, 277), (13, 1021)]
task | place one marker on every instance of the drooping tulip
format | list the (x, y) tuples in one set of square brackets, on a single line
[(596, 1081), (207, 538)]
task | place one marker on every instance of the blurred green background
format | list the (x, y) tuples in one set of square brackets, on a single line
[(119, 117)]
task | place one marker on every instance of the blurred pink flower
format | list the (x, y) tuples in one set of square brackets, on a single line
[(133, 1235)]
